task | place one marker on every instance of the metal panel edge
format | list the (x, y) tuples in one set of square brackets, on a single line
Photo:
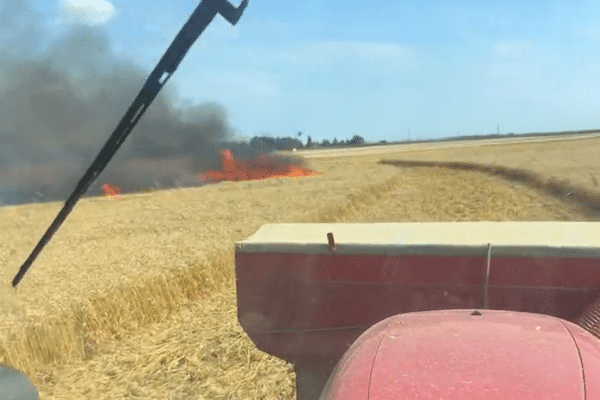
[(422, 250)]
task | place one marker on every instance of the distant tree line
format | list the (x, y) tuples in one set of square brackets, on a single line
[(268, 143), (355, 141)]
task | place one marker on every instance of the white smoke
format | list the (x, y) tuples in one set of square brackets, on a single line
[(89, 12)]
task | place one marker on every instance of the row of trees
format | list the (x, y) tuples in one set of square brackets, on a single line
[(267, 143), (355, 141)]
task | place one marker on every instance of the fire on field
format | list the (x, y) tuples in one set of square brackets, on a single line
[(265, 166)]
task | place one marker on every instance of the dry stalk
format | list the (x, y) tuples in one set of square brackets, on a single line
[(363, 198), (43, 341)]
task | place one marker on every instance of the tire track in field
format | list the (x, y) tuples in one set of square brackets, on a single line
[(586, 200)]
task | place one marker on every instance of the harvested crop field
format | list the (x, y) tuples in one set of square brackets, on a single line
[(569, 160), (135, 297)]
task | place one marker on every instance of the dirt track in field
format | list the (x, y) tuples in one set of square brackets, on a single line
[(570, 160), (198, 350)]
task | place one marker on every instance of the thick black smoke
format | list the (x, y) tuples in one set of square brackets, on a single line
[(60, 101)]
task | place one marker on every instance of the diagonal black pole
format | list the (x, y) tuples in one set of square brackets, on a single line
[(198, 21)]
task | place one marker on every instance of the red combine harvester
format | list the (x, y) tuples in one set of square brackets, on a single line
[(461, 310)]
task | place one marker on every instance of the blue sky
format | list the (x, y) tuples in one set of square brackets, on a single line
[(375, 68)]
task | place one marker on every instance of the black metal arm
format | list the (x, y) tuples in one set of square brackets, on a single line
[(193, 28)]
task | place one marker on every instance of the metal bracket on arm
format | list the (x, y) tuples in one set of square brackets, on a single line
[(230, 13)]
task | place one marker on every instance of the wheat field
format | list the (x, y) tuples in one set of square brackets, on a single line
[(573, 161), (135, 297)]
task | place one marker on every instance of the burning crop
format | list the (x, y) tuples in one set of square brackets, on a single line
[(111, 190), (265, 166)]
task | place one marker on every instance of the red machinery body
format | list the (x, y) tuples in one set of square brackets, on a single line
[(493, 355), (306, 299)]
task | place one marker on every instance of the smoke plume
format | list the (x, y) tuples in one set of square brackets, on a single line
[(60, 100)]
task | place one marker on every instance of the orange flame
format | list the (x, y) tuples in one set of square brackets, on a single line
[(261, 168), (111, 190)]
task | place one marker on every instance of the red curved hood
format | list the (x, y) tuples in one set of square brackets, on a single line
[(455, 355)]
